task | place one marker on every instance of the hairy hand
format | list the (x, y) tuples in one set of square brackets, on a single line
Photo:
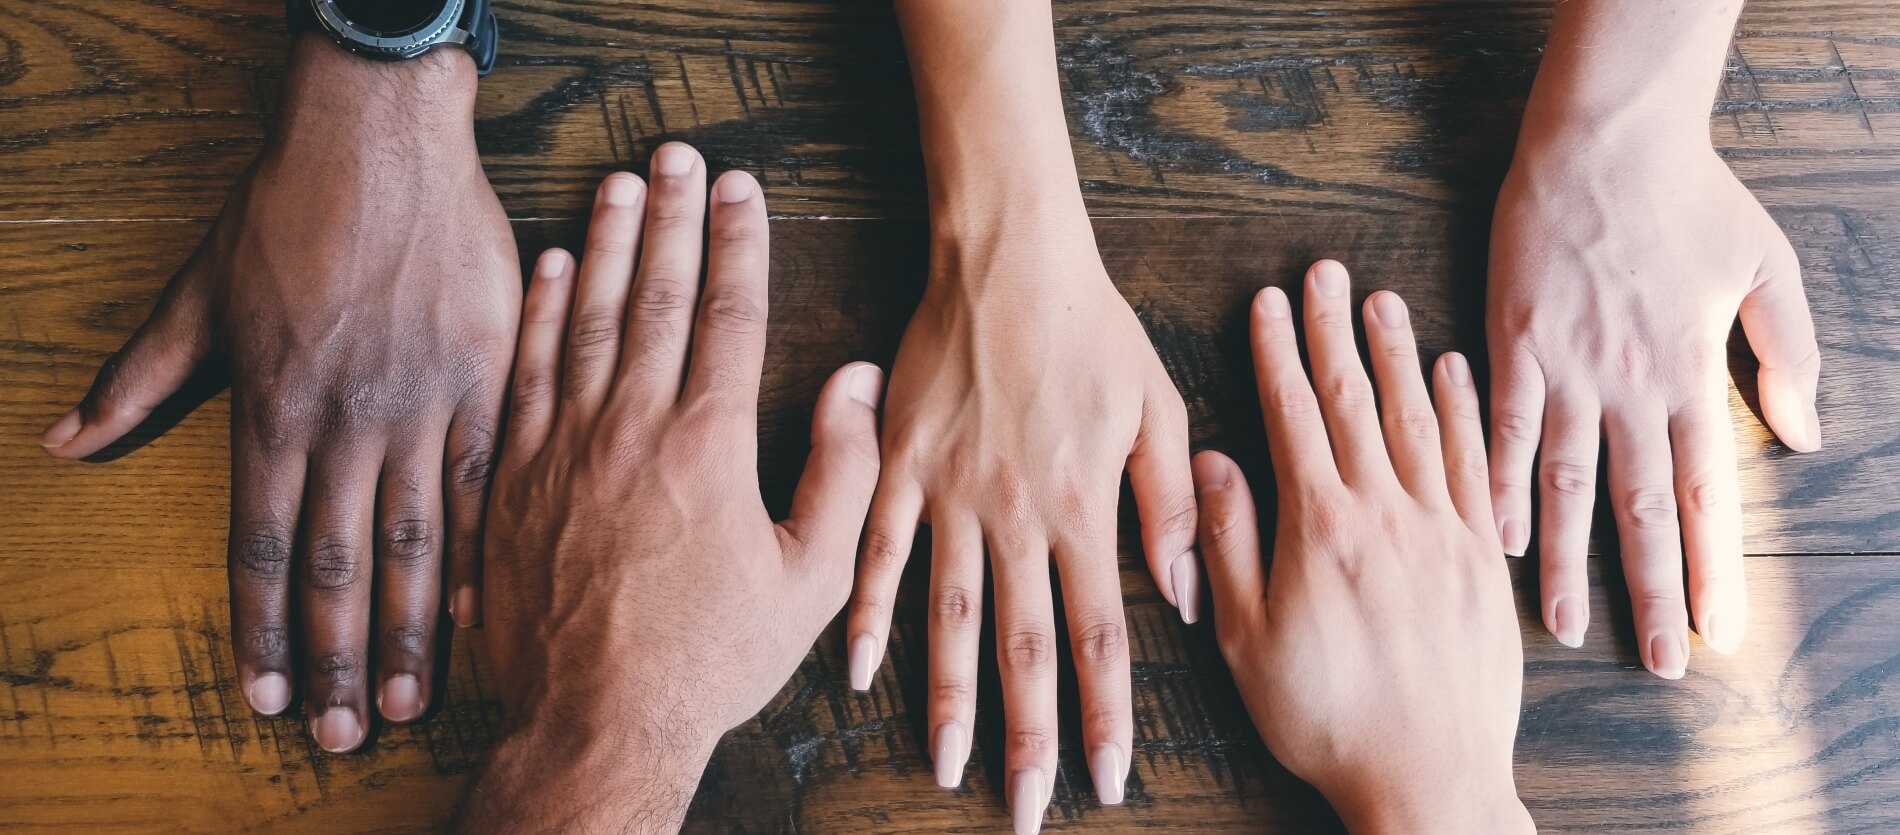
[(1023, 388), (1617, 271), (640, 602), (362, 285), (1379, 657)]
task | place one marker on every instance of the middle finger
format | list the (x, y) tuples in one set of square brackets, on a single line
[(336, 594), (1643, 495), (1026, 658)]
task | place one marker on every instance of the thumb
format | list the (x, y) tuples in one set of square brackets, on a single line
[(1780, 330), (835, 492), (153, 365)]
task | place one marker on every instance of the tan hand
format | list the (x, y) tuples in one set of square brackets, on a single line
[(1380, 660), (640, 601)]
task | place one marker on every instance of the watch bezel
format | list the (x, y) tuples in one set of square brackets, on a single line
[(430, 34)]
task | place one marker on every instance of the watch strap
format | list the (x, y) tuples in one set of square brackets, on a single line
[(476, 31)]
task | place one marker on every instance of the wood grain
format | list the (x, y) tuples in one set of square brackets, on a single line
[(1223, 145), (148, 109)]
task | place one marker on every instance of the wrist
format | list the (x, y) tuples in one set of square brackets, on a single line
[(1462, 803), (572, 774), (1630, 70), (424, 104)]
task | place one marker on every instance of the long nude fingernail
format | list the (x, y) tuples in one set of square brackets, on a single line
[(1109, 768), (863, 662), (337, 730), (1186, 575), (1026, 801), (62, 430), (949, 756), (269, 694)]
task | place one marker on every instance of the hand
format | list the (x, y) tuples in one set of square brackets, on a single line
[(1618, 265), (639, 600), (1023, 387), (1380, 658), (362, 285)]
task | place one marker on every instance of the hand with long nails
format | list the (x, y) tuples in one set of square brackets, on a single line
[(1379, 653), (362, 287), (639, 600), (1622, 251), (1024, 388)]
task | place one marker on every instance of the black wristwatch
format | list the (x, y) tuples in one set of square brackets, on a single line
[(395, 30)]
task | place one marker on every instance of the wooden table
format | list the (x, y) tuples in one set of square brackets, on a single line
[(1223, 145)]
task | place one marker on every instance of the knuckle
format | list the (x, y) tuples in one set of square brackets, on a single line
[(955, 608), (1469, 465), (1181, 521), (1327, 525), (1102, 642), (659, 295), (1347, 394), (1029, 651), (1568, 478), (594, 330), (262, 555), (1031, 743), (738, 233), (1705, 494), (1511, 425), (1290, 404), (1415, 423), (339, 669), (674, 214), (409, 638), (883, 554), (471, 470), (410, 543), (333, 565), (953, 691), (266, 643), (534, 387), (1650, 509), (733, 312), (1226, 532)]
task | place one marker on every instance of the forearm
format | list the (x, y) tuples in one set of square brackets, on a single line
[(571, 777), (995, 141), (1631, 68)]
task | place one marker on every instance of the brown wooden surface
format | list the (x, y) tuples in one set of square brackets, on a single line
[(1223, 144)]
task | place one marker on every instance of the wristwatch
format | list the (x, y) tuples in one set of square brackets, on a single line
[(396, 30)]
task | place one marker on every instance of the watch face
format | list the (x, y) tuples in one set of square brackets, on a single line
[(389, 18)]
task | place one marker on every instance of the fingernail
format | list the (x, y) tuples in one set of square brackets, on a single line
[(1667, 656), (552, 264), (401, 699), (1273, 301), (1568, 621), (1329, 278), (1718, 638), (1212, 473), (949, 754), (1026, 801), (1109, 769), (733, 187), (269, 694), (863, 662), (622, 190), (1389, 308), (337, 730), (1813, 428), (1187, 587), (1513, 536), (62, 430), (1457, 369), (674, 160), (866, 384), (466, 607)]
